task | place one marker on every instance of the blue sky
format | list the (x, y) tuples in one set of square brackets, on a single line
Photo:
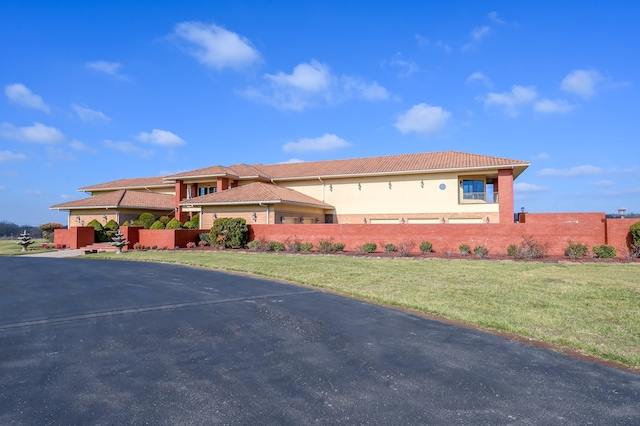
[(93, 92)]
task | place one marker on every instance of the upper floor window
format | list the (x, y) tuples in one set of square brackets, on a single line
[(473, 189)]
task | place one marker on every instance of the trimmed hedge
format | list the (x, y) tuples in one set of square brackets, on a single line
[(229, 232)]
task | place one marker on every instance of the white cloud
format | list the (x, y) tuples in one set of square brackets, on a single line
[(542, 156), (585, 170), (602, 183), (38, 133), (111, 68), (425, 42), (358, 87), (161, 137), (59, 154), (88, 114), (549, 106), (479, 33), (292, 161), (127, 148), (79, 146), (478, 76), (215, 46), (528, 187), (510, 101), (408, 67), (326, 142), (6, 156), (312, 83), (21, 95), (582, 82), (312, 77), (494, 17), (423, 119)]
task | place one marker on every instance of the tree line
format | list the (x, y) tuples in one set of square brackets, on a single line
[(12, 230)]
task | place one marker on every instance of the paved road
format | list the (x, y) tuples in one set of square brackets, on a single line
[(107, 342)]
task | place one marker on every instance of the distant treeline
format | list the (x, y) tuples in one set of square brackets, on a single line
[(11, 230)]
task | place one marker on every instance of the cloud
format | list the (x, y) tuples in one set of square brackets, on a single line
[(79, 146), (408, 67), (35, 192), (6, 156), (215, 46), (161, 137), (478, 76), (479, 33), (310, 84), (494, 17), (111, 68), (510, 101), (326, 142), (38, 133), (89, 115), (359, 88), (59, 154), (585, 170), (425, 42), (21, 95), (582, 83), (542, 156), (549, 106), (423, 119), (292, 161), (528, 187), (127, 148), (602, 183)]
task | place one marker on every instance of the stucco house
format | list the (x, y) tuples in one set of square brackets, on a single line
[(422, 188)]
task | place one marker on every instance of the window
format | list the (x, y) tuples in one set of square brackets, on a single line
[(202, 191), (472, 189)]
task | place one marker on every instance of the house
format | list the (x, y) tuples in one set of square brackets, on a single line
[(422, 188)]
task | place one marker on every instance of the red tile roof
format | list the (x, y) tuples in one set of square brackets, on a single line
[(257, 192), (129, 183), (236, 171), (122, 199)]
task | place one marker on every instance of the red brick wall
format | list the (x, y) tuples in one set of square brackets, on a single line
[(131, 234), (74, 238), (496, 237), (168, 238), (619, 235)]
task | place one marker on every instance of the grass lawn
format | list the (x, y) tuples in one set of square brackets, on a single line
[(10, 248), (592, 308)]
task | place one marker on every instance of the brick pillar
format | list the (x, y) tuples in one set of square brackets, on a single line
[(505, 194), (223, 184), (181, 194)]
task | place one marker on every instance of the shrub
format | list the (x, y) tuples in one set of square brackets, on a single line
[(126, 223), (100, 235), (576, 250), (512, 250), (306, 246), (202, 243), (292, 245), (276, 246), (635, 233), (137, 246), (389, 248), (194, 223), (465, 249), (481, 251), (191, 244), (48, 230), (205, 237), (324, 246), (173, 224), (146, 220), (157, 225), (164, 219), (369, 247), (405, 248), (253, 245), (112, 225), (604, 251), (529, 249), (230, 232), (426, 247), (338, 247)]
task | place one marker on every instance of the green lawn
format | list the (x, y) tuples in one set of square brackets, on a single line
[(592, 308), (9, 247)]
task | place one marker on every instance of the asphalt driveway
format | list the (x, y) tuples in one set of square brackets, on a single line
[(111, 342)]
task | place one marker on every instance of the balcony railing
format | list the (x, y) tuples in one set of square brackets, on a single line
[(487, 197)]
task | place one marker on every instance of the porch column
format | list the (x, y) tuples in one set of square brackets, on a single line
[(505, 195), (223, 184), (181, 194)]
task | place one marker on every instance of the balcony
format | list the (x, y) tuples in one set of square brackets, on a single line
[(486, 197)]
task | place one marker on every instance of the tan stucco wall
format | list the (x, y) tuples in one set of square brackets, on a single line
[(276, 211), (409, 196)]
